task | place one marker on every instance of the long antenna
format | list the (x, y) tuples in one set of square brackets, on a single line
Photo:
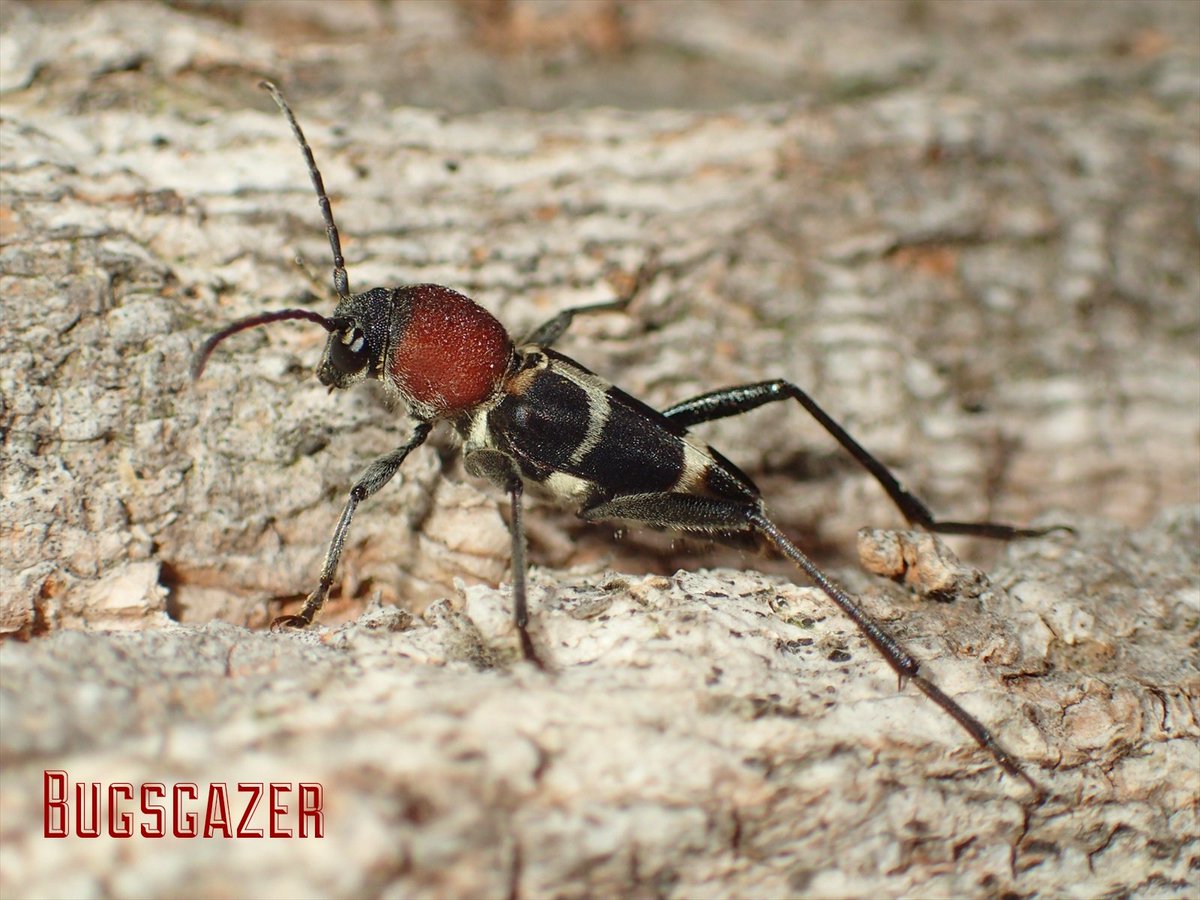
[(200, 360), (341, 282)]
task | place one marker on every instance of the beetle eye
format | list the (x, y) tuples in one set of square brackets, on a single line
[(348, 352)]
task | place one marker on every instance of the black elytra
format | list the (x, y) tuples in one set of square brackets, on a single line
[(531, 417)]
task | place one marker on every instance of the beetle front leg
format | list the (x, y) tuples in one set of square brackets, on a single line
[(376, 476)]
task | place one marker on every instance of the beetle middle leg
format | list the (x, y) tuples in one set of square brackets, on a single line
[(550, 331), (500, 469)]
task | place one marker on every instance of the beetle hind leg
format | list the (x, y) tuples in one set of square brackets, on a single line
[(687, 512), (737, 400)]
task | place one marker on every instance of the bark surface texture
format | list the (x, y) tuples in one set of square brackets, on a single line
[(969, 230)]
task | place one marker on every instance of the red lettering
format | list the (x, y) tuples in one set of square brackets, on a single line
[(310, 808), (91, 817), (183, 826), (255, 790), (85, 826), (54, 803), (216, 814), (120, 825), (278, 809), (157, 812)]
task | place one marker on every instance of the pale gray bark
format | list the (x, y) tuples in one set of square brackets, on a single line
[(972, 236), (709, 733)]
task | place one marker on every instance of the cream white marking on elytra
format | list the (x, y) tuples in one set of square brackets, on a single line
[(571, 488), (695, 464), (598, 412)]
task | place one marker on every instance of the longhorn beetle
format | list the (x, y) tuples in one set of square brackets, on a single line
[(528, 415)]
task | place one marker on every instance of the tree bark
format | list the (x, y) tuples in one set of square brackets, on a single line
[(984, 264)]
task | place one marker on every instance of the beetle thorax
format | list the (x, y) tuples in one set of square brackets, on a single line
[(449, 354)]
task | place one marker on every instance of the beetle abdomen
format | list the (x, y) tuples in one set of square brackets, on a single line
[(585, 440)]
